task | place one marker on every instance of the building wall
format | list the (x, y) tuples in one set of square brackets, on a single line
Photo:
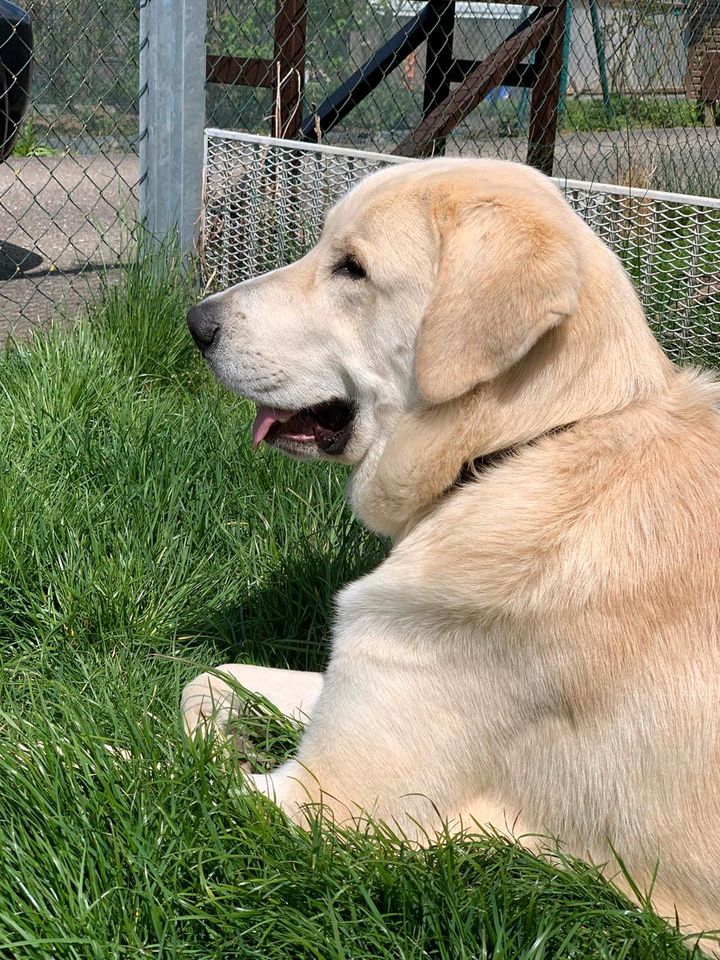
[(644, 46), (644, 50)]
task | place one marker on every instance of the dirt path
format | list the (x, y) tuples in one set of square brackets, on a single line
[(61, 224)]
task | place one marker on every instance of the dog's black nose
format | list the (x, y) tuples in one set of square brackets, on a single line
[(203, 325)]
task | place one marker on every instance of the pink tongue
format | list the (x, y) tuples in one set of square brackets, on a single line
[(265, 418)]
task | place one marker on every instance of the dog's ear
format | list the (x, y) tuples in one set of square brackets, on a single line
[(508, 271)]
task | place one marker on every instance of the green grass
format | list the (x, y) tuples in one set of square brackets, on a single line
[(50, 129), (141, 541), (587, 114), (28, 143)]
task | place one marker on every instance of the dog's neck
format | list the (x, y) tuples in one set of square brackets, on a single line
[(429, 447), (475, 468), (428, 456)]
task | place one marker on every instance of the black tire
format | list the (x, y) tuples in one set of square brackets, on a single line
[(6, 125)]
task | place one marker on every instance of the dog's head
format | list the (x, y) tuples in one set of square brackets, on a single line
[(429, 280)]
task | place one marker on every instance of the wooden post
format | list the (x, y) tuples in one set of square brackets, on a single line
[(546, 94), (710, 85), (289, 67), (483, 77), (439, 61)]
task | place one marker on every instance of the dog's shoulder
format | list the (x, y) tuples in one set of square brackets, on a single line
[(618, 505)]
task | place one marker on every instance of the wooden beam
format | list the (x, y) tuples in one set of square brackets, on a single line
[(524, 75), (710, 78), (546, 95), (487, 75), (244, 71), (289, 67)]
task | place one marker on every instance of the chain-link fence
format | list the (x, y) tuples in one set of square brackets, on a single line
[(627, 91), (596, 90), (68, 189)]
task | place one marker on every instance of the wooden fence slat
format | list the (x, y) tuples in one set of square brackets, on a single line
[(244, 71), (487, 75), (545, 99), (439, 59), (289, 67)]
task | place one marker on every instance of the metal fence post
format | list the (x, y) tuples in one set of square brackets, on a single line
[(172, 116), (439, 60)]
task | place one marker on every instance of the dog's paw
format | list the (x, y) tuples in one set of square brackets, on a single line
[(208, 705)]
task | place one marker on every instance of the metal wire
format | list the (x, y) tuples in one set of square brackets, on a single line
[(633, 98), (68, 194), (639, 98), (265, 200)]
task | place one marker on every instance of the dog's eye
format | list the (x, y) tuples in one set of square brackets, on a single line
[(350, 266)]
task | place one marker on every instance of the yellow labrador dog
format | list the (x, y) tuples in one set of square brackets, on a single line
[(541, 649)]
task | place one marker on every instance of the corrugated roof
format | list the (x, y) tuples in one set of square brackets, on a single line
[(464, 9)]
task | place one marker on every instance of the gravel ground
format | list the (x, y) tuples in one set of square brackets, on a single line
[(61, 225)]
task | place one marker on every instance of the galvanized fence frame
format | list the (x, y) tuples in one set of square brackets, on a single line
[(172, 116)]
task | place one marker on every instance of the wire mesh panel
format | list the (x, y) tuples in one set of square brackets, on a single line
[(265, 201), (670, 245), (621, 91), (68, 183)]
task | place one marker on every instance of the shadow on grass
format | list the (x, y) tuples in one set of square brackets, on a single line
[(285, 621)]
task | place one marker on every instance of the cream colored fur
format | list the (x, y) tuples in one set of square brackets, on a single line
[(541, 649)]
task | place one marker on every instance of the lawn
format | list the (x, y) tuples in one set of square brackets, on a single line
[(586, 114), (141, 541)]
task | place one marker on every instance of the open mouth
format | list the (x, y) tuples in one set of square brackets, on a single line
[(327, 425)]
